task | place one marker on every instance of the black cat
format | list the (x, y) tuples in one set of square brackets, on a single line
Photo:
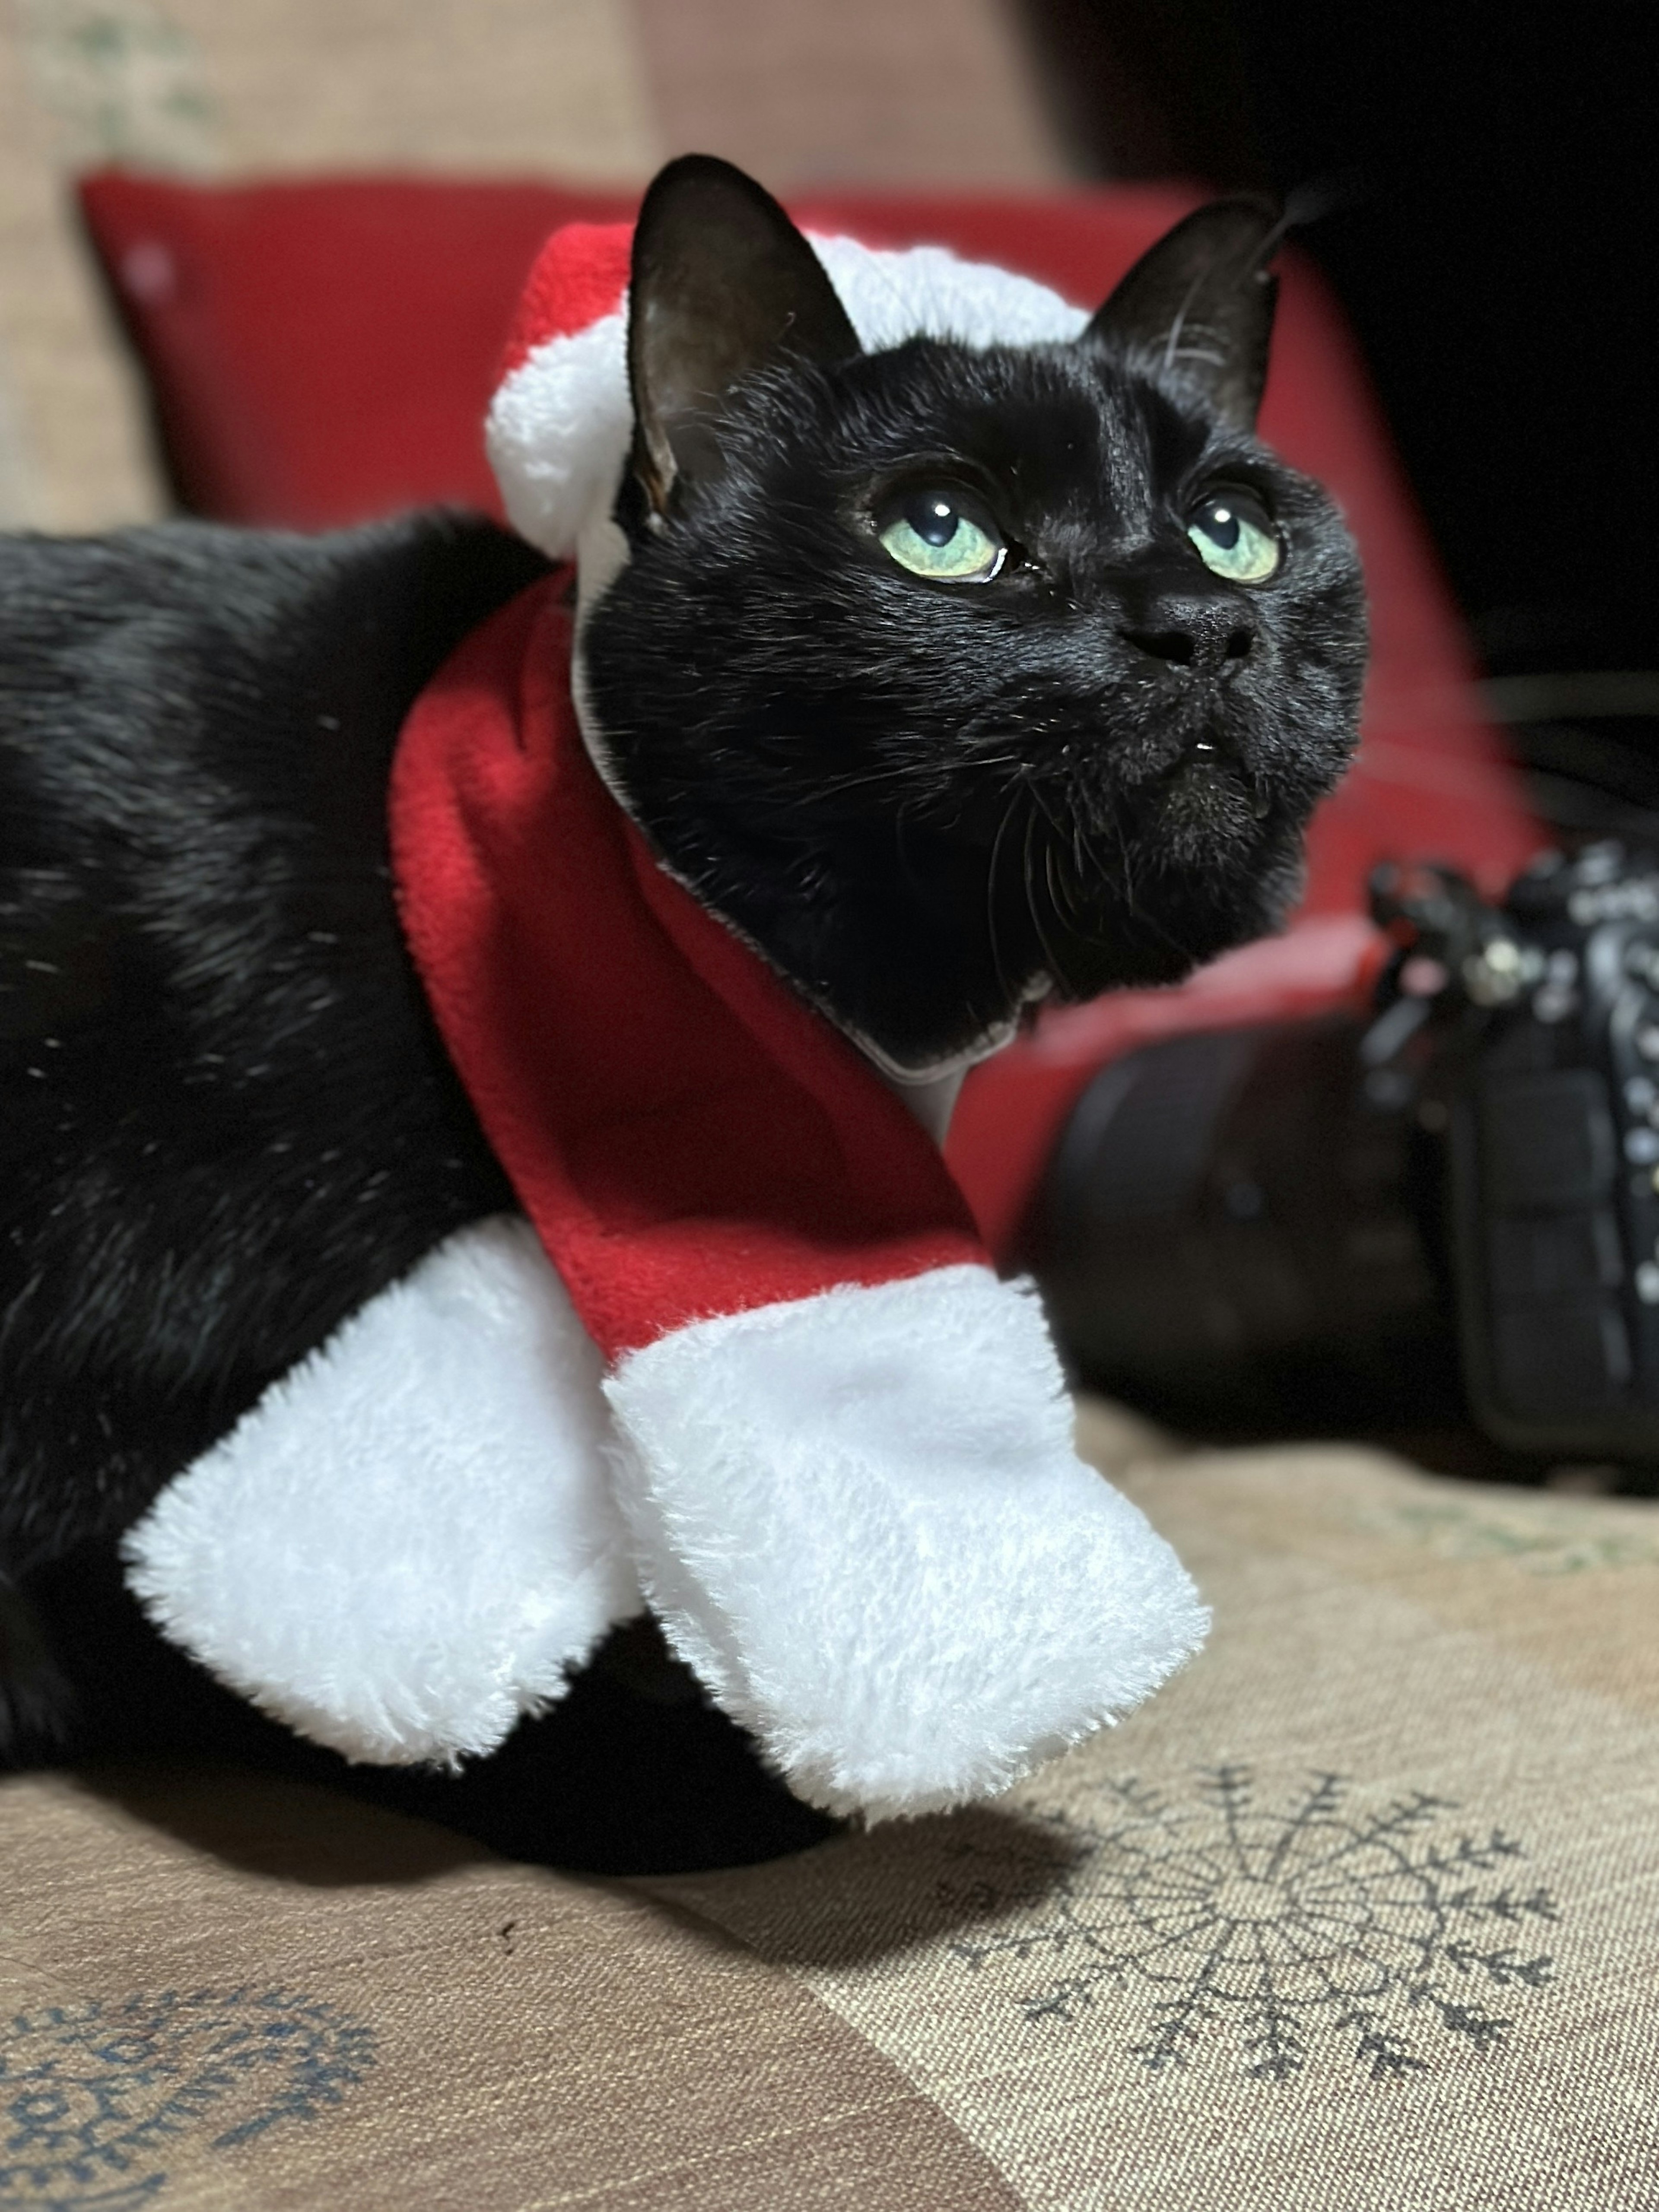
[(952, 677)]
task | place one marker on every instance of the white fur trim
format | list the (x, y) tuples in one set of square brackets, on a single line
[(411, 1537), (559, 426), (557, 433), (925, 291), (861, 1521)]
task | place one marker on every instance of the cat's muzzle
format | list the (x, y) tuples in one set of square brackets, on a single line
[(1216, 756)]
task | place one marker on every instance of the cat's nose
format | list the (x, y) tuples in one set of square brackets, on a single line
[(1203, 633)]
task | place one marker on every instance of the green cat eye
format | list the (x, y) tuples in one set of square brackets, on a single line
[(932, 533), (1234, 537)]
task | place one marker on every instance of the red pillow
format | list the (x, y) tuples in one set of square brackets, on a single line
[(321, 352)]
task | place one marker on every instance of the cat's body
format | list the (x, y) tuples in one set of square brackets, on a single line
[(225, 1117), (226, 1120)]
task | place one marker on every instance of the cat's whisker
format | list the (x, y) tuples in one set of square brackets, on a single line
[(1056, 967), (1070, 886), (1078, 880), (1092, 861), (1004, 983), (1056, 898), (1141, 913), (1129, 898), (1067, 897)]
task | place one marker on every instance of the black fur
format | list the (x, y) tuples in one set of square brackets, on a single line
[(225, 1119)]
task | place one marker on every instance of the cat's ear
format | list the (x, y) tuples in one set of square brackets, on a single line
[(1200, 302), (722, 284)]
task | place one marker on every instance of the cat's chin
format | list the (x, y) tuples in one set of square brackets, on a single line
[(1208, 813), (1203, 866), (1214, 868)]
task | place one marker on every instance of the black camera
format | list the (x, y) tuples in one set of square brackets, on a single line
[(1375, 1222)]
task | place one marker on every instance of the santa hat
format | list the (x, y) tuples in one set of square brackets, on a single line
[(561, 421), (768, 1379)]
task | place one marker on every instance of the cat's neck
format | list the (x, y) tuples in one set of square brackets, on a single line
[(930, 1092)]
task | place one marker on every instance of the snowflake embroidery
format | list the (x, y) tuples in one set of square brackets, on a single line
[(91, 2093), (1221, 1919)]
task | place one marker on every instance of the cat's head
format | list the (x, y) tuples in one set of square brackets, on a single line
[(954, 675)]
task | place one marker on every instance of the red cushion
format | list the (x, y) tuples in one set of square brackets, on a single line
[(320, 352)]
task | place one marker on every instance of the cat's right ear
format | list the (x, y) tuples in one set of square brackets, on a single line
[(722, 284), (1200, 302)]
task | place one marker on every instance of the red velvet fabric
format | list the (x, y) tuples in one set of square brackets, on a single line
[(322, 351), (579, 277), (686, 1136)]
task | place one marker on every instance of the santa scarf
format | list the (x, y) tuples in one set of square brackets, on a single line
[(687, 1137), (752, 1365)]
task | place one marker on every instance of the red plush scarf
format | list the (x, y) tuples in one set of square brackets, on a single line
[(688, 1137)]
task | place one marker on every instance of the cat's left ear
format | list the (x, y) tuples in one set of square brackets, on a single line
[(1200, 302), (722, 284)]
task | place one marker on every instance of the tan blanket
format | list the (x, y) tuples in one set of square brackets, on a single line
[(1361, 1913)]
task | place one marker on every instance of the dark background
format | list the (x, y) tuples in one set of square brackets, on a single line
[(1492, 225)]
